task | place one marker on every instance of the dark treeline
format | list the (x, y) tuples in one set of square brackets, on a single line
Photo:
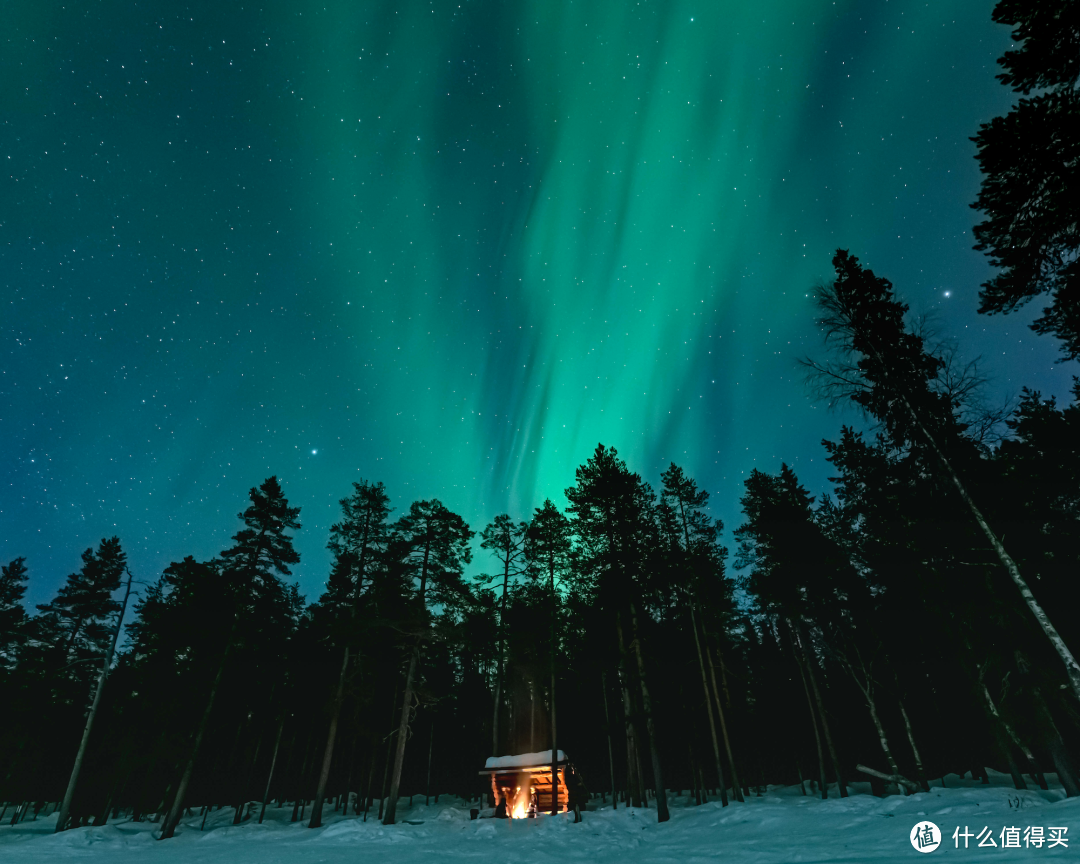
[(916, 624)]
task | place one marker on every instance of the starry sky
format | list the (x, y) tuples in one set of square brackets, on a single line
[(454, 245)]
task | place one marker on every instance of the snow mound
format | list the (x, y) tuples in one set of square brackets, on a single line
[(523, 760)]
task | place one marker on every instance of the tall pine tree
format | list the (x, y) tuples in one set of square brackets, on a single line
[(432, 544), (262, 552)]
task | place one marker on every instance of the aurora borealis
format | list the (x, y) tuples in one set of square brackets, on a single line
[(453, 246)]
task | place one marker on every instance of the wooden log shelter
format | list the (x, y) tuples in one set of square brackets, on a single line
[(521, 785)]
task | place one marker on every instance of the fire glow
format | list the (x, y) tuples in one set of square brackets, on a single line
[(522, 785), (522, 801)]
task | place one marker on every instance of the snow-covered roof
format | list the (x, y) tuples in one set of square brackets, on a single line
[(523, 760)]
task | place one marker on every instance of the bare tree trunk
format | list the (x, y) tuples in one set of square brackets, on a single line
[(231, 772), (273, 763), (371, 776), (554, 739), (1056, 745), (633, 775), (866, 686), (882, 738), (298, 778), (430, 751), (662, 814), (238, 817), (1010, 761), (914, 750), (898, 779), (554, 752), (349, 780), (73, 780), (500, 671), (138, 796), (511, 718), (495, 716), (168, 828), (695, 791), (813, 719), (824, 720), (736, 789), (386, 762), (708, 708), (328, 753), (385, 788), (697, 773), (119, 781), (1072, 668), (390, 813), (282, 795), (532, 716), (723, 673), (610, 750), (641, 773), (1033, 764)]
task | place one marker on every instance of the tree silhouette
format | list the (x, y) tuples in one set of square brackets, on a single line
[(357, 541), (692, 539), (1031, 161), (261, 551), (505, 540), (548, 549), (612, 510), (883, 367), (76, 623), (432, 544), (12, 615)]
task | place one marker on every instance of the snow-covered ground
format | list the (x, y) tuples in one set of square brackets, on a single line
[(781, 826)]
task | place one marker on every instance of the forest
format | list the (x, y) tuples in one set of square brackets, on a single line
[(917, 621), (914, 625)]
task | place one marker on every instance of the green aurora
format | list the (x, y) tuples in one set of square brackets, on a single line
[(453, 246)]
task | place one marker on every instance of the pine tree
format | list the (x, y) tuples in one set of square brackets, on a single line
[(76, 623), (1030, 157), (13, 619), (692, 537), (251, 567), (106, 667), (885, 369), (505, 540), (612, 512), (357, 542), (432, 544), (791, 563), (548, 546), (1038, 472)]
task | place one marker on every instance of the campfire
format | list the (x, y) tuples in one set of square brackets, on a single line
[(524, 806), (521, 784)]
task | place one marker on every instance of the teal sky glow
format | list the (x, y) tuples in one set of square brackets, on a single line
[(452, 246)]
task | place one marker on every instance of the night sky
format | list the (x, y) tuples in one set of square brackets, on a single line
[(453, 246)]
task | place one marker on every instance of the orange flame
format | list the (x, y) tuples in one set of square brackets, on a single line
[(522, 799)]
